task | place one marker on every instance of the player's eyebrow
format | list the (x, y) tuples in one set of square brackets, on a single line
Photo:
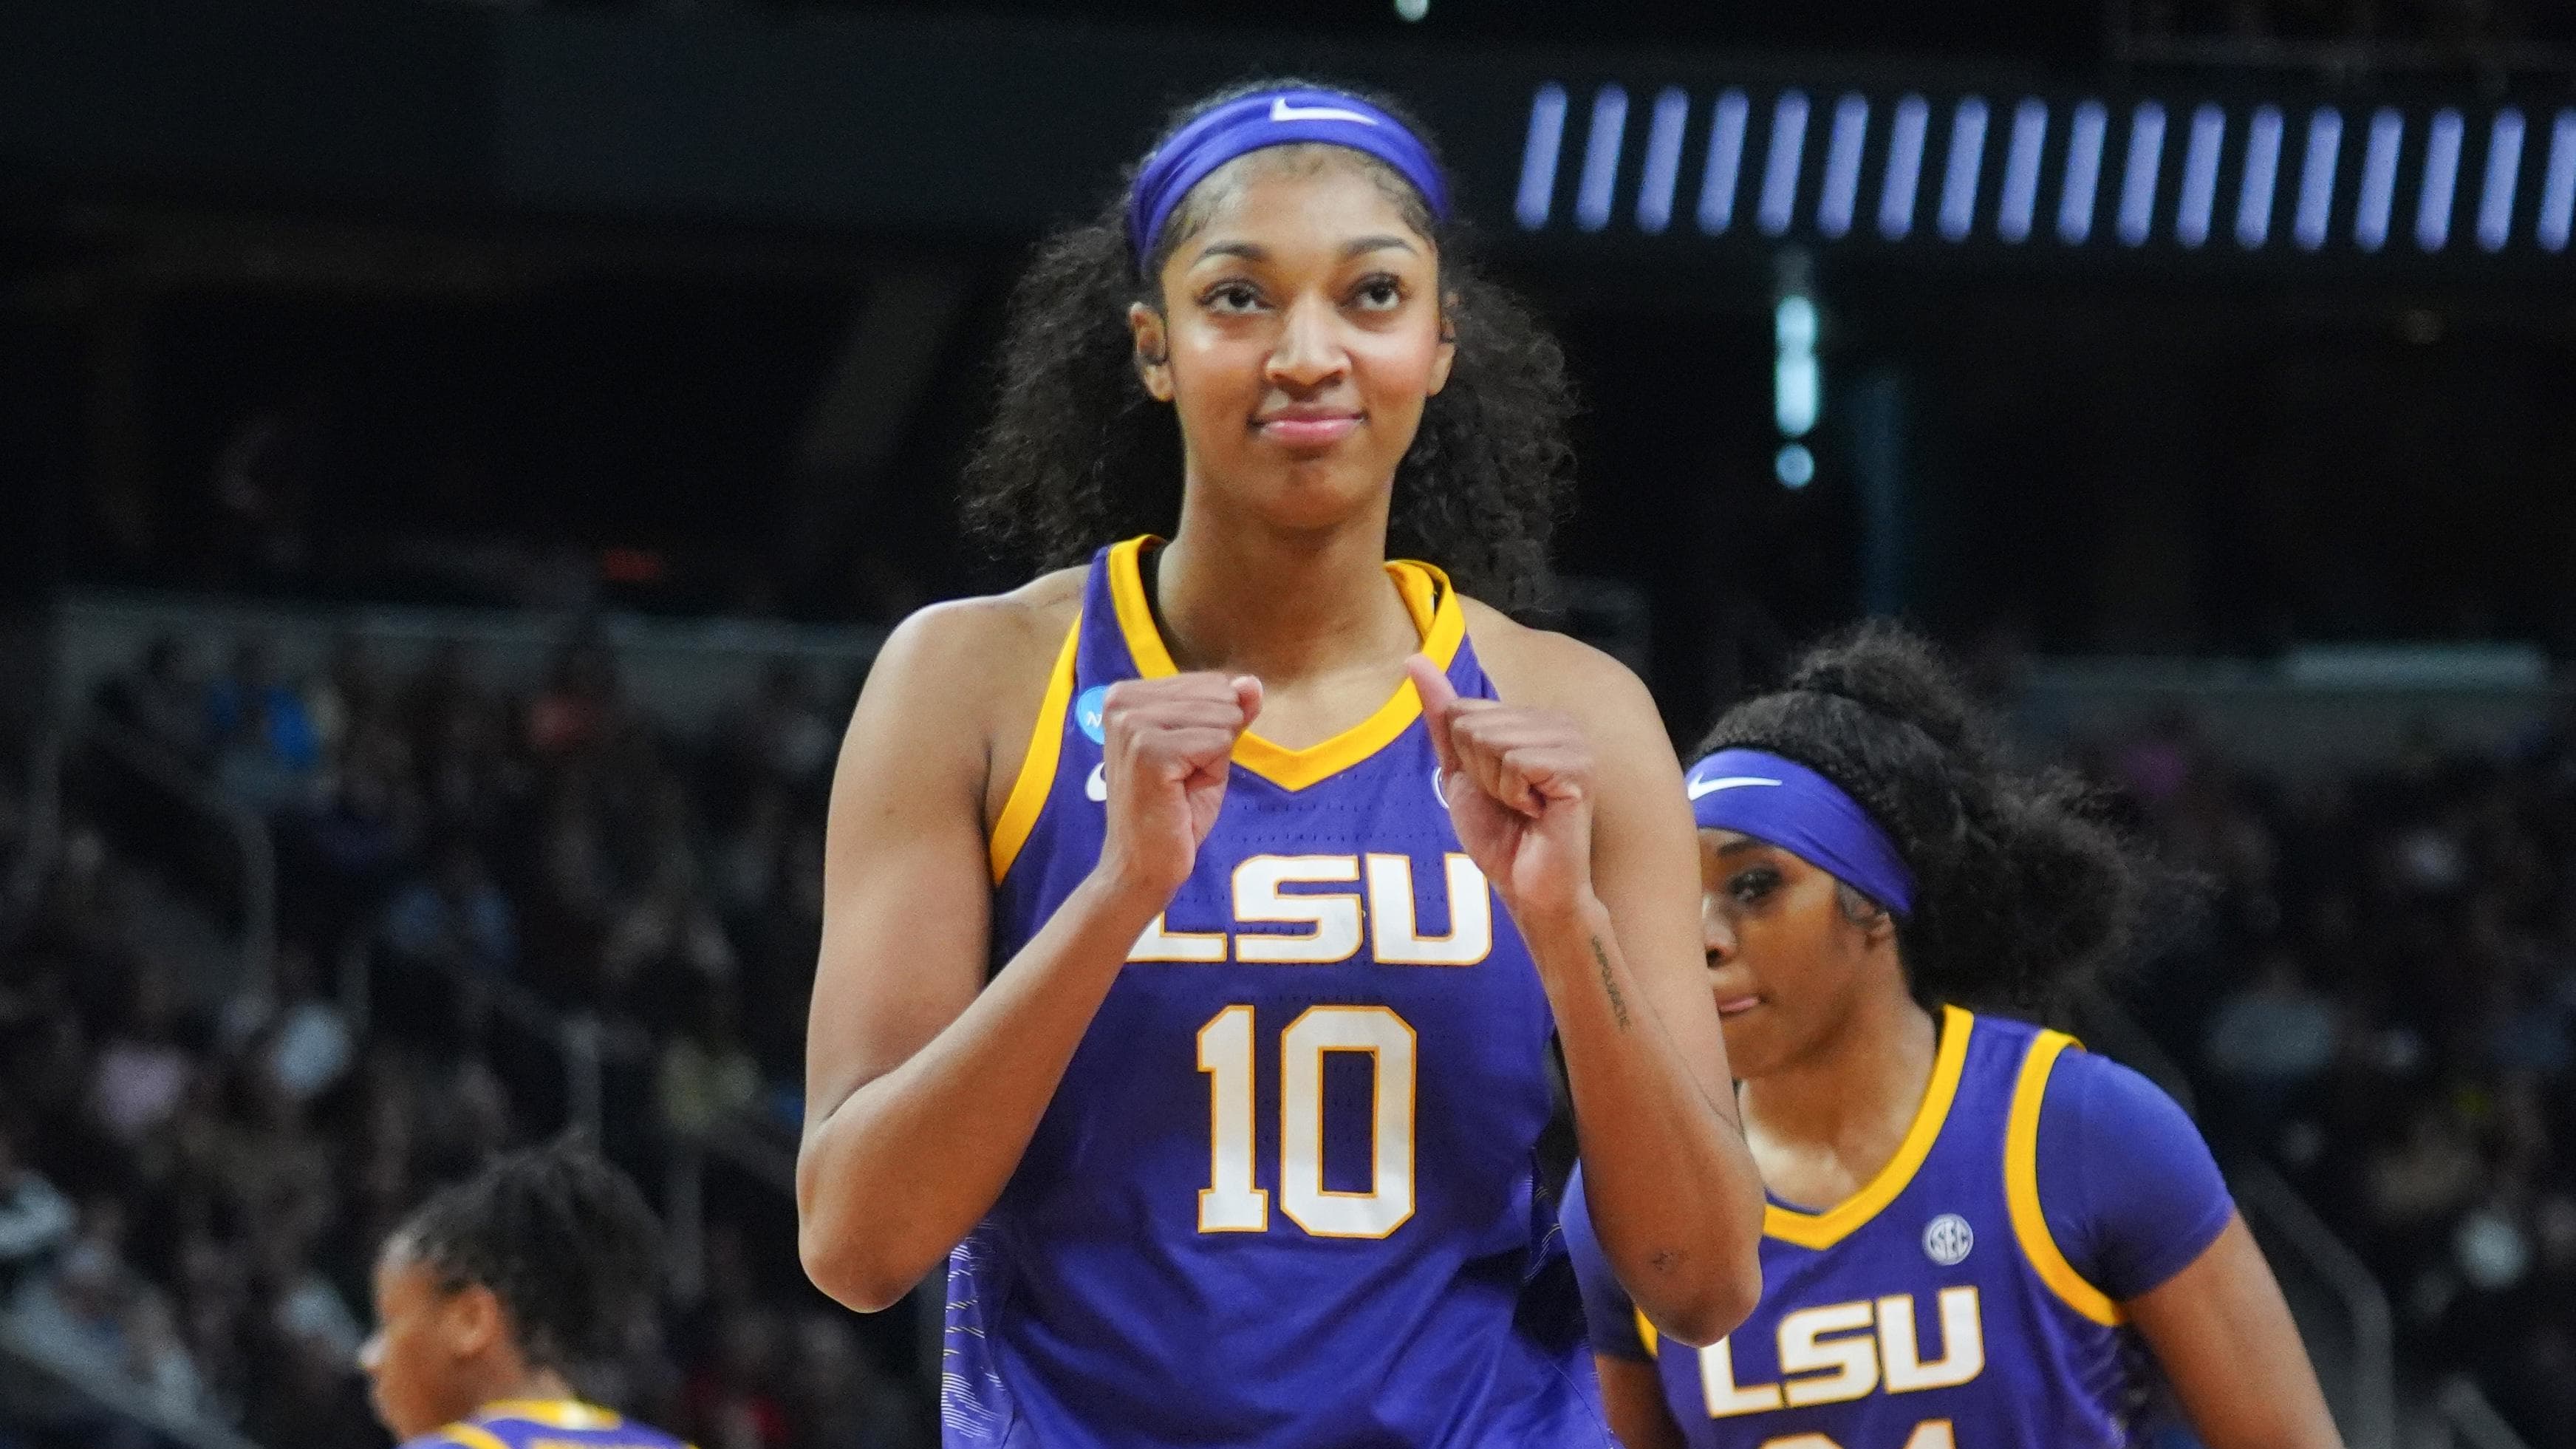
[(1362, 246), (1249, 251), (1742, 844)]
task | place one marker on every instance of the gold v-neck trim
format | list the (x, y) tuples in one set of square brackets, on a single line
[(1428, 597), (1823, 1230)]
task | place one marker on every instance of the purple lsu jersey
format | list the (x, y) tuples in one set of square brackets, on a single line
[(1932, 1310), (1284, 1194), (545, 1424)]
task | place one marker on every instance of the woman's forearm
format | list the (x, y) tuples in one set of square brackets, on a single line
[(905, 1166), (1673, 1191)]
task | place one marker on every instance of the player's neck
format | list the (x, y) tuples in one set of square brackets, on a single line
[(517, 1384), (1231, 594), (1839, 1113)]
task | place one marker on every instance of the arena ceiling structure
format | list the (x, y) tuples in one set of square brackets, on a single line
[(985, 129), (811, 213)]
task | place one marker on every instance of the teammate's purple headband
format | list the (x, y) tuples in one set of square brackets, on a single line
[(1264, 119), (1783, 802)]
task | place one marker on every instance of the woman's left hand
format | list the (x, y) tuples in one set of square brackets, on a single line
[(1519, 785)]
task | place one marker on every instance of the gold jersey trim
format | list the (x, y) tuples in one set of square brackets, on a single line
[(1037, 763), (1823, 1230), (2021, 1186), (1428, 597)]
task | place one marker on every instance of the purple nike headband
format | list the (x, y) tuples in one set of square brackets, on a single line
[(1264, 119), (1780, 801)]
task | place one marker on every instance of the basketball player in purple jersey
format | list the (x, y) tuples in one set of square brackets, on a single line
[(1974, 1225), (1164, 993)]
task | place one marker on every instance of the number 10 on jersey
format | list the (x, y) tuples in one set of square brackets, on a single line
[(1232, 1203)]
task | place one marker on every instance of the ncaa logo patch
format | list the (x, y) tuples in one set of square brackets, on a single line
[(1087, 712), (1947, 1239)]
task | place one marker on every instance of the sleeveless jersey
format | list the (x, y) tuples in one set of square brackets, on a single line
[(1284, 1194), (1932, 1310), (545, 1424)]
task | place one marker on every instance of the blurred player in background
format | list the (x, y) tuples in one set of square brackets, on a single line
[(1974, 1224), (497, 1290), (1204, 1049)]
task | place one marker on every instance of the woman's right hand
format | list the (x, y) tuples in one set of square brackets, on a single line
[(1167, 749)]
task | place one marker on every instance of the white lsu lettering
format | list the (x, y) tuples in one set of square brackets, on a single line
[(1828, 1355), (1334, 922)]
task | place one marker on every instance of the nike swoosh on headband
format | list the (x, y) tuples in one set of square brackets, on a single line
[(1280, 110), (1726, 782)]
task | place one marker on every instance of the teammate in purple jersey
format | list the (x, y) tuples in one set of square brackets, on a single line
[(1976, 1228), (1213, 1060), (493, 1294)]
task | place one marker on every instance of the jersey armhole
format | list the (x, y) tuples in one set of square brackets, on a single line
[(467, 1436), (1038, 761), (2021, 1187)]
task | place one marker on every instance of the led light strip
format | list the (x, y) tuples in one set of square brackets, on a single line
[(2301, 192)]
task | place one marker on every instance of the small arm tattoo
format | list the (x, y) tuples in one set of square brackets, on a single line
[(1610, 984)]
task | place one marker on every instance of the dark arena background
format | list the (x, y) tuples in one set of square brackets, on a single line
[(460, 458)]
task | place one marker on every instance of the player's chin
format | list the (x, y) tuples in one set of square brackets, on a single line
[(1754, 1044), (404, 1411), (1319, 491)]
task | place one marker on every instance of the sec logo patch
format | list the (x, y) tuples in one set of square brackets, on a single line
[(1947, 1239)]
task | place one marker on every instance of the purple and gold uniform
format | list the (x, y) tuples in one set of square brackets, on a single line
[(545, 1424), (1284, 1194), (1969, 1296)]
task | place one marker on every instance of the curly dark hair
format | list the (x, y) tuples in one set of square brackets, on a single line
[(2022, 893), (1078, 453), (562, 1238)]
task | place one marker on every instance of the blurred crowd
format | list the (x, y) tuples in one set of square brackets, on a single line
[(198, 1162), (2382, 1002)]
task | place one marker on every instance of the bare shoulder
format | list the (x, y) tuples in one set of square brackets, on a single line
[(964, 661), (958, 685), (1644, 825), (1549, 670), (974, 635)]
